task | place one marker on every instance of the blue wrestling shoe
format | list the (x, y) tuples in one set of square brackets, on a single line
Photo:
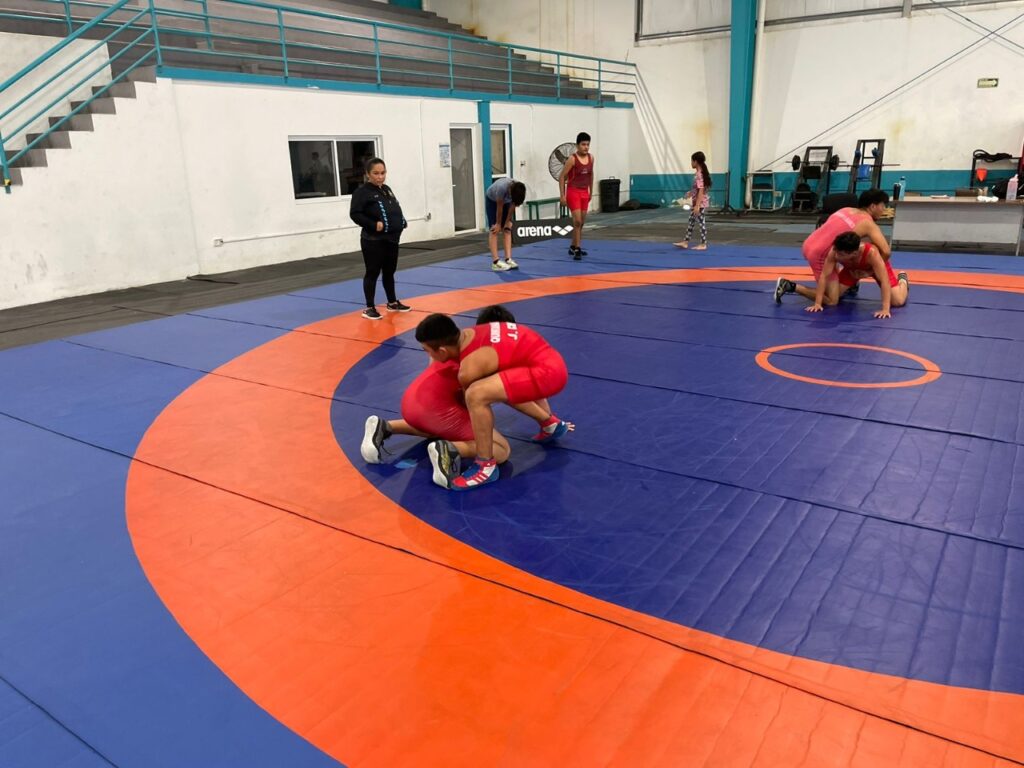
[(551, 432)]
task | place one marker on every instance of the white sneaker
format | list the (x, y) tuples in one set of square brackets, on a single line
[(499, 266), (509, 264), (374, 435)]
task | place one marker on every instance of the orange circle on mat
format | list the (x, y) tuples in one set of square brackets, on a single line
[(931, 370)]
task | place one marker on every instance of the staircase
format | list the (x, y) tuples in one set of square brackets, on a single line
[(349, 44), (331, 40), (62, 137)]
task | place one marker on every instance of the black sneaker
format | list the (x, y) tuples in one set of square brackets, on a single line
[(853, 290), (374, 435), (577, 254), (447, 464), (581, 252), (371, 313), (397, 306), (782, 287), (903, 276)]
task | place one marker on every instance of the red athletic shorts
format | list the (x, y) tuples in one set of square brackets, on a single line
[(546, 376), (434, 404), (850, 277), (577, 198)]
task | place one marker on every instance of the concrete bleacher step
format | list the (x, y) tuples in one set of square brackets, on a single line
[(55, 140), (471, 60)]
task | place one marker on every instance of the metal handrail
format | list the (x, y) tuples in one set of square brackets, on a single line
[(589, 73)]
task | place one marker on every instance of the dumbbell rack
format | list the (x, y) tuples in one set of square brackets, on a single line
[(817, 165), (876, 149)]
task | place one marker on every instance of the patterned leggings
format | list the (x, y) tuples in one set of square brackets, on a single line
[(696, 216)]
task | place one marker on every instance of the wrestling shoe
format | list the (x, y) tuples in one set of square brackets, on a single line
[(554, 429), (853, 290), (509, 264), (371, 313), (480, 473), (782, 287), (374, 435), (903, 276), (397, 306), (498, 266), (445, 459), (577, 253)]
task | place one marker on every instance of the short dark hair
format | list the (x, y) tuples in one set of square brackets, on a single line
[(847, 242), (495, 314), (872, 196), (437, 330), (582, 136), (368, 165), (517, 192)]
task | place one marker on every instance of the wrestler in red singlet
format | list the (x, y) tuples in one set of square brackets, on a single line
[(850, 276), (529, 367), (435, 404)]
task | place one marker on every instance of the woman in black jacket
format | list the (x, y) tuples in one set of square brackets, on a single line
[(375, 208)]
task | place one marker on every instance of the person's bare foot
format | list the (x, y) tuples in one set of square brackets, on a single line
[(681, 245), (701, 247)]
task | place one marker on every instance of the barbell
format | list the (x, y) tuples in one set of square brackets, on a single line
[(833, 162)]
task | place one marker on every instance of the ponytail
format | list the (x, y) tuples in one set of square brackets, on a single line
[(698, 157)]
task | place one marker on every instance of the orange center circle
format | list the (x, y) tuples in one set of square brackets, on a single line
[(931, 370)]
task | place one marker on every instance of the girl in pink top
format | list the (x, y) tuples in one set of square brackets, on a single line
[(699, 201)]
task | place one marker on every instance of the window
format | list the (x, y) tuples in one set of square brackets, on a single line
[(500, 151), (328, 167)]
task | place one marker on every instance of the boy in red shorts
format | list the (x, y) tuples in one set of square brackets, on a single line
[(576, 187), (857, 261), (433, 407), (499, 362)]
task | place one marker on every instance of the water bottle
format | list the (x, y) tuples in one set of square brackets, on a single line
[(1011, 188), (903, 187)]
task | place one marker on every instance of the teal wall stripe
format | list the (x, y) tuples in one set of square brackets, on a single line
[(417, 4), (741, 88), (663, 188)]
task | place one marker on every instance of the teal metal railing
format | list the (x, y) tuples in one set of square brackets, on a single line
[(39, 102), (253, 41)]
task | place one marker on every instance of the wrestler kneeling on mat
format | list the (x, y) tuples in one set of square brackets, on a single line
[(434, 407), (857, 261), (499, 362)]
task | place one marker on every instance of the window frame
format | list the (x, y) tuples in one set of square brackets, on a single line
[(333, 140)]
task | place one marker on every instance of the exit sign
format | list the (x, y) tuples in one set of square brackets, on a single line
[(988, 82)]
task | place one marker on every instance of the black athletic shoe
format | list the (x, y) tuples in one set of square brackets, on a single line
[(371, 313), (903, 276), (782, 287), (447, 464), (577, 254), (581, 252), (374, 435), (852, 291), (397, 306)]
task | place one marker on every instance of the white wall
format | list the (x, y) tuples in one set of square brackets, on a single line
[(110, 212), (18, 50), (538, 129), (819, 74), (815, 75), (143, 197), (240, 179)]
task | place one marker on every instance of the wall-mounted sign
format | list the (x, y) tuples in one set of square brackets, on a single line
[(445, 151), (988, 82)]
